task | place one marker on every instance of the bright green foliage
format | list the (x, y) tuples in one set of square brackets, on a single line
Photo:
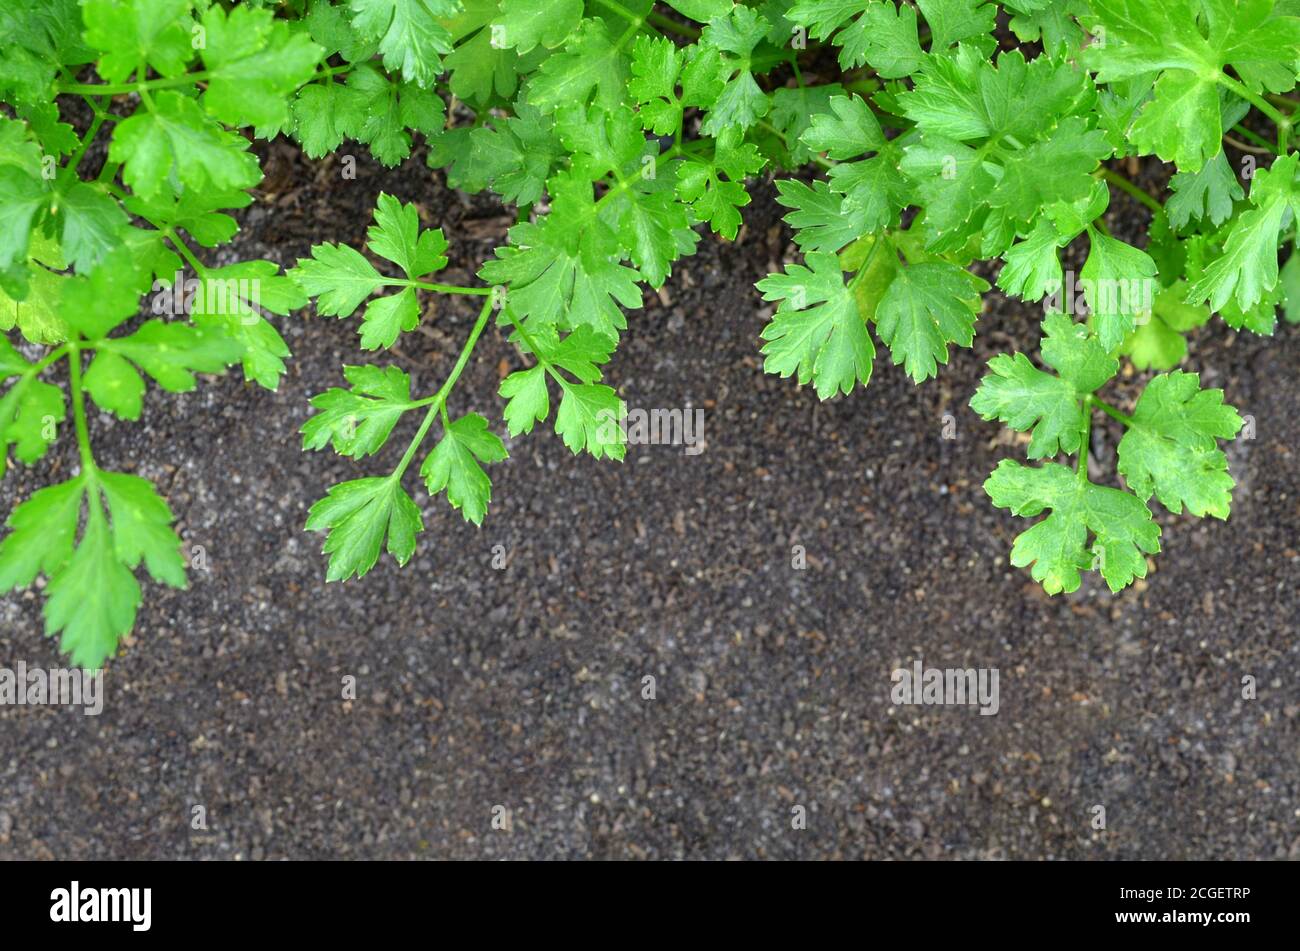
[(1057, 548), (1159, 343), (253, 64), (410, 34), (818, 332), (927, 307), (1248, 267), (1025, 398), (1170, 448), (360, 516), (1190, 42), (341, 278), (588, 411), (1207, 194), (91, 592), (1001, 157), (80, 247), (1118, 285), (357, 422), (713, 189), (624, 134), (455, 465)]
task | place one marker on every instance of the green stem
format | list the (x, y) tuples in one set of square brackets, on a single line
[(662, 22), (443, 288), (1085, 443), (871, 256), (1264, 144), (634, 22), (627, 184), (75, 158), (184, 250), (1133, 191), (622, 11), (108, 172), (439, 399), (120, 89), (142, 85), (36, 369), (1110, 410), (1282, 122), (763, 123), (152, 85), (88, 467), (532, 349)]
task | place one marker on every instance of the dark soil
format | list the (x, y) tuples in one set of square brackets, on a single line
[(522, 687)]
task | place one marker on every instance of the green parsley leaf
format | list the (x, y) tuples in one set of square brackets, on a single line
[(92, 595), (1119, 285), (357, 517), (1057, 547), (1191, 44), (589, 418), (253, 63), (30, 413), (454, 465), (713, 198), (1025, 398), (411, 38), (175, 142), (927, 307), (818, 333), (1209, 193), (357, 422), (1248, 267), (1170, 449), (128, 33), (524, 24), (591, 64)]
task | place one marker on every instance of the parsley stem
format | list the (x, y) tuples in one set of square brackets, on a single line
[(763, 123), (1282, 122), (626, 184), (1109, 410), (52, 357), (532, 348), (142, 85), (1085, 443), (184, 250), (1133, 191), (1261, 147), (121, 89), (662, 22), (150, 85), (446, 288), (437, 402), (79, 410), (622, 11), (79, 153), (871, 256)]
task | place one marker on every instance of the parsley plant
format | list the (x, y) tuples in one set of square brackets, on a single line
[(915, 144)]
